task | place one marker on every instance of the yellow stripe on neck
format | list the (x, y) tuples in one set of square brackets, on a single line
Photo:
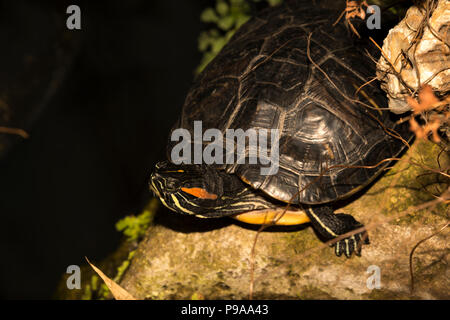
[(278, 217)]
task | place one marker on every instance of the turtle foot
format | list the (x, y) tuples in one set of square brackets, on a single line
[(332, 226), (354, 242)]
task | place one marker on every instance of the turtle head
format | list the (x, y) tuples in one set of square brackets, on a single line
[(203, 191), (187, 189)]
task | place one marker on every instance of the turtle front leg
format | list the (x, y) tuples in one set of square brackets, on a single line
[(331, 225)]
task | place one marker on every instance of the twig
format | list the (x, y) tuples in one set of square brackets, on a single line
[(445, 197), (397, 73), (411, 271), (15, 131), (308, 53)]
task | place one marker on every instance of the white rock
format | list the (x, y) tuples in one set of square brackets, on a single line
[(429, 56)]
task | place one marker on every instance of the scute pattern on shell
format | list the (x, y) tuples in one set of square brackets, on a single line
[(263, 79)]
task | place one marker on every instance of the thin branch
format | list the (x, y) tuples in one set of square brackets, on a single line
[(445, 197), (411, 271), (14, 131)]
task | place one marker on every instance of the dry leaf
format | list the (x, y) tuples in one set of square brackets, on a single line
[(117, 291), (353, 9), (427, 100)]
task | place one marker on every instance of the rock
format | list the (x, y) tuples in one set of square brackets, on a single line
[(419, 55), (184, 257)]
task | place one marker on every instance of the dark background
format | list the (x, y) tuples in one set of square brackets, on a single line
[(95, 139)]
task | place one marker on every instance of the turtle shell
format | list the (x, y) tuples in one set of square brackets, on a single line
[(330, 139)]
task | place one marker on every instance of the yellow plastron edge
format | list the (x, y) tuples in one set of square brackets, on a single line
[(278, 217)]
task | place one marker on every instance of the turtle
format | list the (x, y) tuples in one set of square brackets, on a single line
[(287, 69)]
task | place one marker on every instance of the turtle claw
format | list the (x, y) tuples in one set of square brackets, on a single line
[(352, 244), (331, 226)]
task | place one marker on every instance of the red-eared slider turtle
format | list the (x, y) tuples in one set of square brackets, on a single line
[(287, 69)]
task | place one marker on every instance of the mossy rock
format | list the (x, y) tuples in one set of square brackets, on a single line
[(184, 257)]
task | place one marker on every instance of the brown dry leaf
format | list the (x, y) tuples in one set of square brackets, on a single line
[(416, 128), (353, 9), (117, 291), (422, 132), (427, 100), (434, 127)]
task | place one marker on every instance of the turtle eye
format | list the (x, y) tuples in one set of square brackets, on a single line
[(171, 184)]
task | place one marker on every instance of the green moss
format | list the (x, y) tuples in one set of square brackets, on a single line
[(301, 241), (95, 289), (89, 289), (409, 184), (134, 227), (306, 241), (197, 296), (226, 17), (382, 294), (313, 293), (99, 290), (124, 266)]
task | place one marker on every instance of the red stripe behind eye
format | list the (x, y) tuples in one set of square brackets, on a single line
[(200, 193)]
